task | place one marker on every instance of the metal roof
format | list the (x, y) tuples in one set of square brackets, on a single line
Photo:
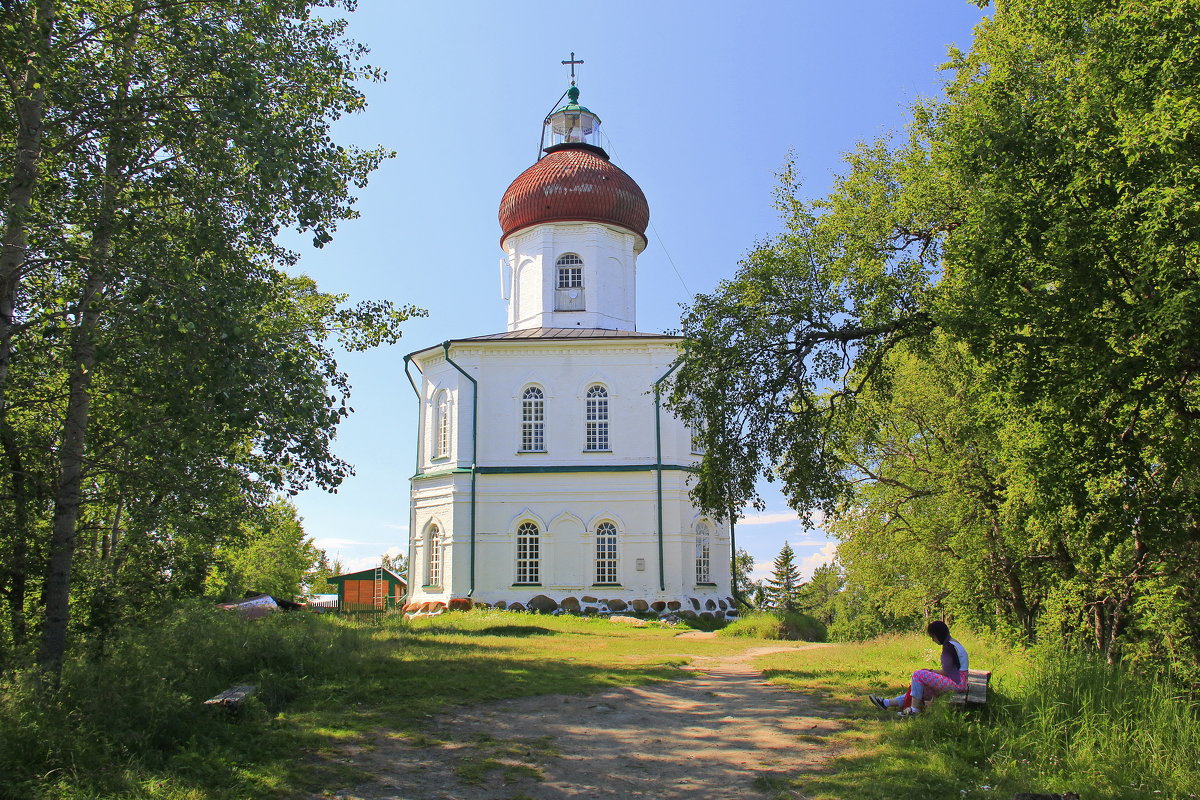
[(574, 184)]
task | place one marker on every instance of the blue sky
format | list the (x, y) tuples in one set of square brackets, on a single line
[(702, 103)]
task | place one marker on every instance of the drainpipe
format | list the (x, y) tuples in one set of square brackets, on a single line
[(474, 452), (412, 511), (662, 579)]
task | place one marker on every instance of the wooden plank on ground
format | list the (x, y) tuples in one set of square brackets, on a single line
[(233, 697)]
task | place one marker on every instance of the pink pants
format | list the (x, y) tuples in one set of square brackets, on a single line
[(927, 684)]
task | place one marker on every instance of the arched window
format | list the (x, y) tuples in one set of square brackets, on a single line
[(533, 420), (570, 271), (606, 553), (528, 553), (597, 418), (703, 552), (433, 558), (441, 424), (568, 283)]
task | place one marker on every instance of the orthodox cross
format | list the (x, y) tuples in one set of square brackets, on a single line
[(573, 62)]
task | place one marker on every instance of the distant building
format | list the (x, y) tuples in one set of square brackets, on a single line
[(548, 476), (374, 589)]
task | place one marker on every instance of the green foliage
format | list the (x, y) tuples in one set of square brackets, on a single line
[(818, 596), (274, 557), (1054, 722), (976, 356), (743, 567), (397, 563), (162, 372), (316, 581), (776, 625)]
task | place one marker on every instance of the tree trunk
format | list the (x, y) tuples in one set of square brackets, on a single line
[(30, 114), (71, 460), (17, 566), (69, 491), (29, 110)]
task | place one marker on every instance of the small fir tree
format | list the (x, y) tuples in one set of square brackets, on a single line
[(784, 584)]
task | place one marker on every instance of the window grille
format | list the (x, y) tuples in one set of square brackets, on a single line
[(597, 419), (570, 271), (442, 423), (606, 553), (703, 553), (533, 420), (527, 553), (433, 566)]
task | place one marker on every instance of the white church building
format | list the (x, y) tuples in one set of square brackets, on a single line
[(549, 476)]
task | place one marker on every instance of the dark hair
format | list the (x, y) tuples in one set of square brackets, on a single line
[(938, 630)]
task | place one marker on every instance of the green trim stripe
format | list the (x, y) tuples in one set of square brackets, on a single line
[(533, 470)]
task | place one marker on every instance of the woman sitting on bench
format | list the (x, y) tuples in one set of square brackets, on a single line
[(928, 683)]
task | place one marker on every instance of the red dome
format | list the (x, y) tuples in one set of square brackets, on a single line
[(574, 183)]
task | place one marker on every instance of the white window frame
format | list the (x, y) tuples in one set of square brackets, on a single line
[(568, 271), (533, 420), (703, 553), (596, 433), (529, 551), (433, 558), (441, 424), (606, 557)]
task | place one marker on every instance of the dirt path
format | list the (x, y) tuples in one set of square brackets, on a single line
[(708, 737)]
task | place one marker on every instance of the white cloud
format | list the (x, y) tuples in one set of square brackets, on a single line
[(332, 543), (817, 517), (769, 519), (811, 541), (823, 556), (356, 564), (392, 552), (396, 527)]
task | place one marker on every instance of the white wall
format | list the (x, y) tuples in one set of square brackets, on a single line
[(609, 275), (566, 505)]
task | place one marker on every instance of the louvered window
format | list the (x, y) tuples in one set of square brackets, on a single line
[(568, 284)]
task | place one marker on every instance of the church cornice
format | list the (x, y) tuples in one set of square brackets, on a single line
[(553, 337)]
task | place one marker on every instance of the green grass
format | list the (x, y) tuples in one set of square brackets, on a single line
[(774, 625), (512, 760), (1052, 724), (132, 724)]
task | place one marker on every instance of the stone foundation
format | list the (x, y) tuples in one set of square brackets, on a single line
[(588, 605)]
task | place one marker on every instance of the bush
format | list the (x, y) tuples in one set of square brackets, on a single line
[(143, 700), (777, 625)]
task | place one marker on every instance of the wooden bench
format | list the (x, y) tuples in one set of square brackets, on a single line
[(976, 692), (232, 699)]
